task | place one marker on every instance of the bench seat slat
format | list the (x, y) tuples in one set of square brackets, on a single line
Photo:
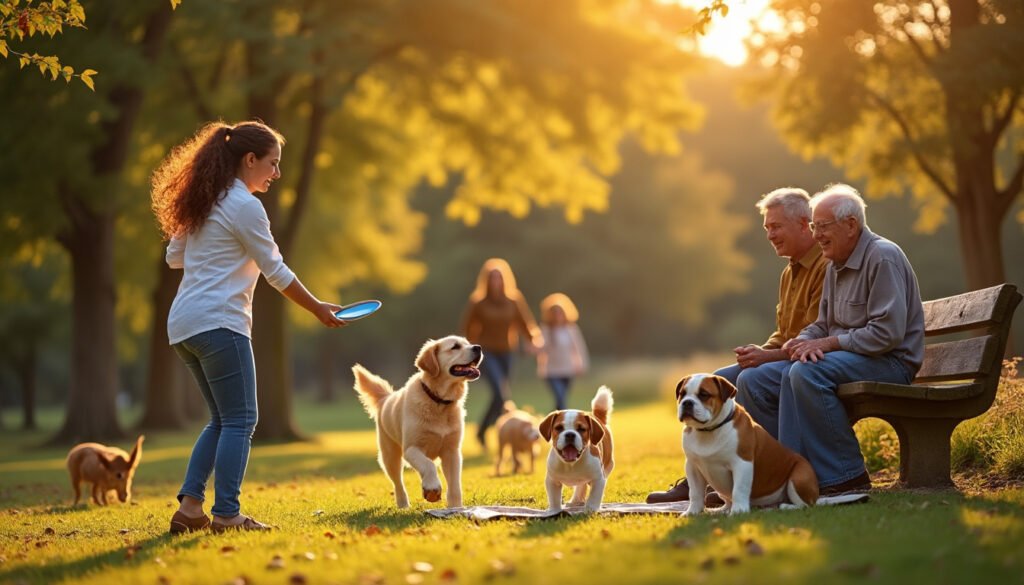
[(862, 391), (957, 360)]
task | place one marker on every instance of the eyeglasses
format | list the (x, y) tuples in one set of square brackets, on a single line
[(817, 227)]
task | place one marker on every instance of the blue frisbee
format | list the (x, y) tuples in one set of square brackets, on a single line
[(358, 310)]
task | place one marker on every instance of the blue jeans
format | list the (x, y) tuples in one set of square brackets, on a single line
[(222, 363), (496, 367), (560, 388), (812, 420), (757, 390)]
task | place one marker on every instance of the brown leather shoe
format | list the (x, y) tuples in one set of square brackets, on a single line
[(247, 524), (677, 492), (181, 524), (861, 483)]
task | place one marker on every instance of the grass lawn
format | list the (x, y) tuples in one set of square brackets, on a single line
[(338, 524)]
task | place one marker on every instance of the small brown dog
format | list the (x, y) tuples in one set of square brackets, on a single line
[(106, 468), (517, 429)]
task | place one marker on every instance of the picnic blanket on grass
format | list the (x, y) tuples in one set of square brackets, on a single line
[(518, 512)]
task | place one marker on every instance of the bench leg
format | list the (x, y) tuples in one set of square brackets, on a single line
[(924, 451)]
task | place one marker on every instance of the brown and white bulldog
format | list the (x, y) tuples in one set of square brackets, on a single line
[(725, 448), (581, 452)]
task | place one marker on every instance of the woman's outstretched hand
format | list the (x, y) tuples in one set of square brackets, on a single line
[(325, 312)]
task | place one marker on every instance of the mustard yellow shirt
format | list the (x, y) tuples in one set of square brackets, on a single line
[(800, 289)]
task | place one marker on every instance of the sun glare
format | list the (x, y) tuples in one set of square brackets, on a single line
[(725, 36)]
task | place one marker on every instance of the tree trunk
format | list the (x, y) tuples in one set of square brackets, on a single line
[(165, 404), (981, 245), (273, 372), (89, 238), (92, 409), (27, 376)]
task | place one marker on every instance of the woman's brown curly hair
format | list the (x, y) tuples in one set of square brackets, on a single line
[(198, 172)]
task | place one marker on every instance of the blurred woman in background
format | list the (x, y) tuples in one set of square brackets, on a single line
[(496, 315)]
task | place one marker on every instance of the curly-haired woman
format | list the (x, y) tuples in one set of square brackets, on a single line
[(203, 197)]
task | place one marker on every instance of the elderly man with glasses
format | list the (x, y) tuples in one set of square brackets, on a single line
[(870, 326)]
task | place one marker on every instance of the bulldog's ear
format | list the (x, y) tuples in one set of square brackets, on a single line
[(426, 361), (679, 387), (546, 424), (725, 388), (596, 430)]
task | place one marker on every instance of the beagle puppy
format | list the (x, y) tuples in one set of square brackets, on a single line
[(581, 452)]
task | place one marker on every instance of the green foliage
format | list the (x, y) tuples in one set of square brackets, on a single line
[(993, 443), (921, 98), (20, 19)]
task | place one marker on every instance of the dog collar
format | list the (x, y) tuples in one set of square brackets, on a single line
[(732, 413), (435, 397)]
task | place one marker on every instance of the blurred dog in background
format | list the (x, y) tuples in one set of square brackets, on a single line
[(517, 430), (106, 468)]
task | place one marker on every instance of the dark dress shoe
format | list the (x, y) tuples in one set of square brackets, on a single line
[(677, 492), (861, 483), (680, 492)]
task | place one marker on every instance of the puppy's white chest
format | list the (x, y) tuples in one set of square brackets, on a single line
[(584, 470)]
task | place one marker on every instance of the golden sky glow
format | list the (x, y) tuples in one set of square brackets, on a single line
[(725, 36)]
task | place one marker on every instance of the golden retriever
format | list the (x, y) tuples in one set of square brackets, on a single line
[(425, 419)]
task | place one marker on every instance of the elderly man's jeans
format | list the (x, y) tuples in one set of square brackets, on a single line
[(757, 390), (222, 363), (812, 420)]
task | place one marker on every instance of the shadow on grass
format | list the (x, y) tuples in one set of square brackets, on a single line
[(134, 554), (389, 518)]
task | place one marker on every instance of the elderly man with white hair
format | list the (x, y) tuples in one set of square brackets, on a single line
[(870, 326)]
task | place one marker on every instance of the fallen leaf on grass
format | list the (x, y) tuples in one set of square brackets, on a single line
[(276, 563), (131, 550), (297, 579), (163, 580), (605, 533), (227, 549), (754, 548), (422, 567), (239, 580), (448, 575), (49, 530), (123, 531), (160, 562), (307, 556), (731, 560), (318, 513), (707, 564), (717, 532), (414, 578), (372, 530), (683, 543), (500, 567), (329, 534), (557, 555)]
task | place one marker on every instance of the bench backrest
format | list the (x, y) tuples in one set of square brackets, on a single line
[(986, 314)]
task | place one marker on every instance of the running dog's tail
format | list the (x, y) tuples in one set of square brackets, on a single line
[(372, 390), (602, 405)]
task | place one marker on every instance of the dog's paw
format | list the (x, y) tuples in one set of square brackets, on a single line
[(738, 509), (693, 511), (432, 495)]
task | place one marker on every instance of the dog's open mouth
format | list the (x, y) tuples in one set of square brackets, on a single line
[(570, 453), (469, 370)]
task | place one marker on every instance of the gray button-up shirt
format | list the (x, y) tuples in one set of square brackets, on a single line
[(872, 303)]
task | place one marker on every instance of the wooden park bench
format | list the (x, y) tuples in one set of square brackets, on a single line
[(958, 380)]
